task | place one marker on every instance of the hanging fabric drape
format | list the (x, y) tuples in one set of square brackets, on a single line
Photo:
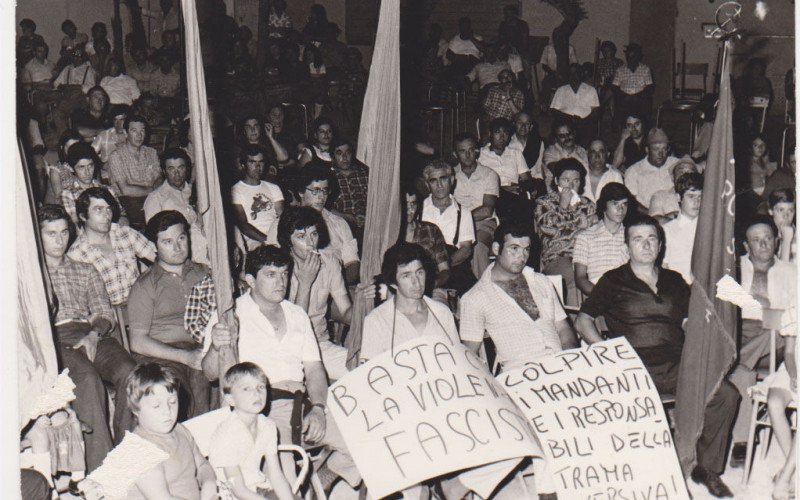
[(209, 198), (36, 354), (379, 149), (710, 346)]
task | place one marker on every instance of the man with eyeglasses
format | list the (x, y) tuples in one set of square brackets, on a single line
[(563, 147), (315, 188), (257, 204)]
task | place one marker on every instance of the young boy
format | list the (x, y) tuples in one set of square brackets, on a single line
[(247, 437), (153, 399)]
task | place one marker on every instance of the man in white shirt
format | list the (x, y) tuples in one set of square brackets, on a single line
[(509, 164), (680, 232), (38, 72), (773, 283), (487, 72), (600, 173), (653, 173), (665, 204), (563, 147), (477, 189), (121, 88), (257, 204), (74, 83), (175, 193), (515, 305), (527, 140), (579, 102), (277, 336), (454, 221), (464, 49)]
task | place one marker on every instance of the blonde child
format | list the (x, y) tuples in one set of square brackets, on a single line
[(186, 474), (246, 437)]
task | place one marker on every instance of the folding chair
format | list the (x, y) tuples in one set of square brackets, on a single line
[(202, 427), (759, 416), (760, 103)]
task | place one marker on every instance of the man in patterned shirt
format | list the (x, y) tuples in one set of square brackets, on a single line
[(135, 170), (112, 249), (83, 325), (352, 178), (501, 101), (515, 305), (602, 247), (632, 86)]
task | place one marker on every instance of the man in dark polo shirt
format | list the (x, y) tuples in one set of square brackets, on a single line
[(648, 305), (156, 307)]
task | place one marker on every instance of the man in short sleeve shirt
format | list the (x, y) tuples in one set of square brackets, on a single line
[(517, 307)]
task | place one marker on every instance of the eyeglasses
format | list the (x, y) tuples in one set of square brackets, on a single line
[(565, 136), (318, 191)]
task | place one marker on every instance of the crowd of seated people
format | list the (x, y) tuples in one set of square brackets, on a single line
[(485, 226)]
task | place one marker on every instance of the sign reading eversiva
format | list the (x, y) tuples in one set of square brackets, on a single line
[(601, 422), (427, 409)]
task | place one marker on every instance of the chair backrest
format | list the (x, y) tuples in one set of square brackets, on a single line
[(203, 426)]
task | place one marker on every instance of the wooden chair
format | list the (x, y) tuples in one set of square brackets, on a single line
[(760, 103)]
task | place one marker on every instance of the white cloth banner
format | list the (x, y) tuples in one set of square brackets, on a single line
[(601, 423), (428, 409)]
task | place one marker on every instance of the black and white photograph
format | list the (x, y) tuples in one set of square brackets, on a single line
[(400, 249)]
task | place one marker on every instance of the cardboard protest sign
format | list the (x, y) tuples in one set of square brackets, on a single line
[(601, 423), (427, 409)]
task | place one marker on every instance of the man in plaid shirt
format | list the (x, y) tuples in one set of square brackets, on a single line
[(633, 86), (112, 249), (352, 178), (83, 324), (502, 100)]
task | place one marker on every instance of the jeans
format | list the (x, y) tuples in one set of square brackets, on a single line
[(111, 364)]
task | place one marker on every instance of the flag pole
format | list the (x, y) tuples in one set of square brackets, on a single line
[(209, 198)]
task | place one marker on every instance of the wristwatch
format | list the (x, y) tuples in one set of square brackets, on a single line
[(321, 406)]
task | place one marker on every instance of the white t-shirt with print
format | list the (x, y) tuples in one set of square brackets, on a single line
[(258, 203)]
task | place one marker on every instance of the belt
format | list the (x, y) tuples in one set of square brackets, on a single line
[(299, 401), (71, 320)]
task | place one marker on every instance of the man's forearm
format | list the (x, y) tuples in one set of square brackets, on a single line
[(587, 329), (317, 385), (462, 254), (482, 212), (143, 344), (251, 232)]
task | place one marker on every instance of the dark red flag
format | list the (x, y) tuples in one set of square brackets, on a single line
[(710, 346)]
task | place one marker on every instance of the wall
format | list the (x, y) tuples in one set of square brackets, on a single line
[(49, 14), (779, 53), (608, 20)]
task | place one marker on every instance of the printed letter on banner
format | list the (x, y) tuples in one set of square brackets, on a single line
[(601, 423), (427, 409)]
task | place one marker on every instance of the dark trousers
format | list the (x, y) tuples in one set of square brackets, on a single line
[(717, 419), (194, 394), (112, 363), (134, 208)]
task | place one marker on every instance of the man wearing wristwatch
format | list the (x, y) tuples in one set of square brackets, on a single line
[(83, 324), (277, 335)]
